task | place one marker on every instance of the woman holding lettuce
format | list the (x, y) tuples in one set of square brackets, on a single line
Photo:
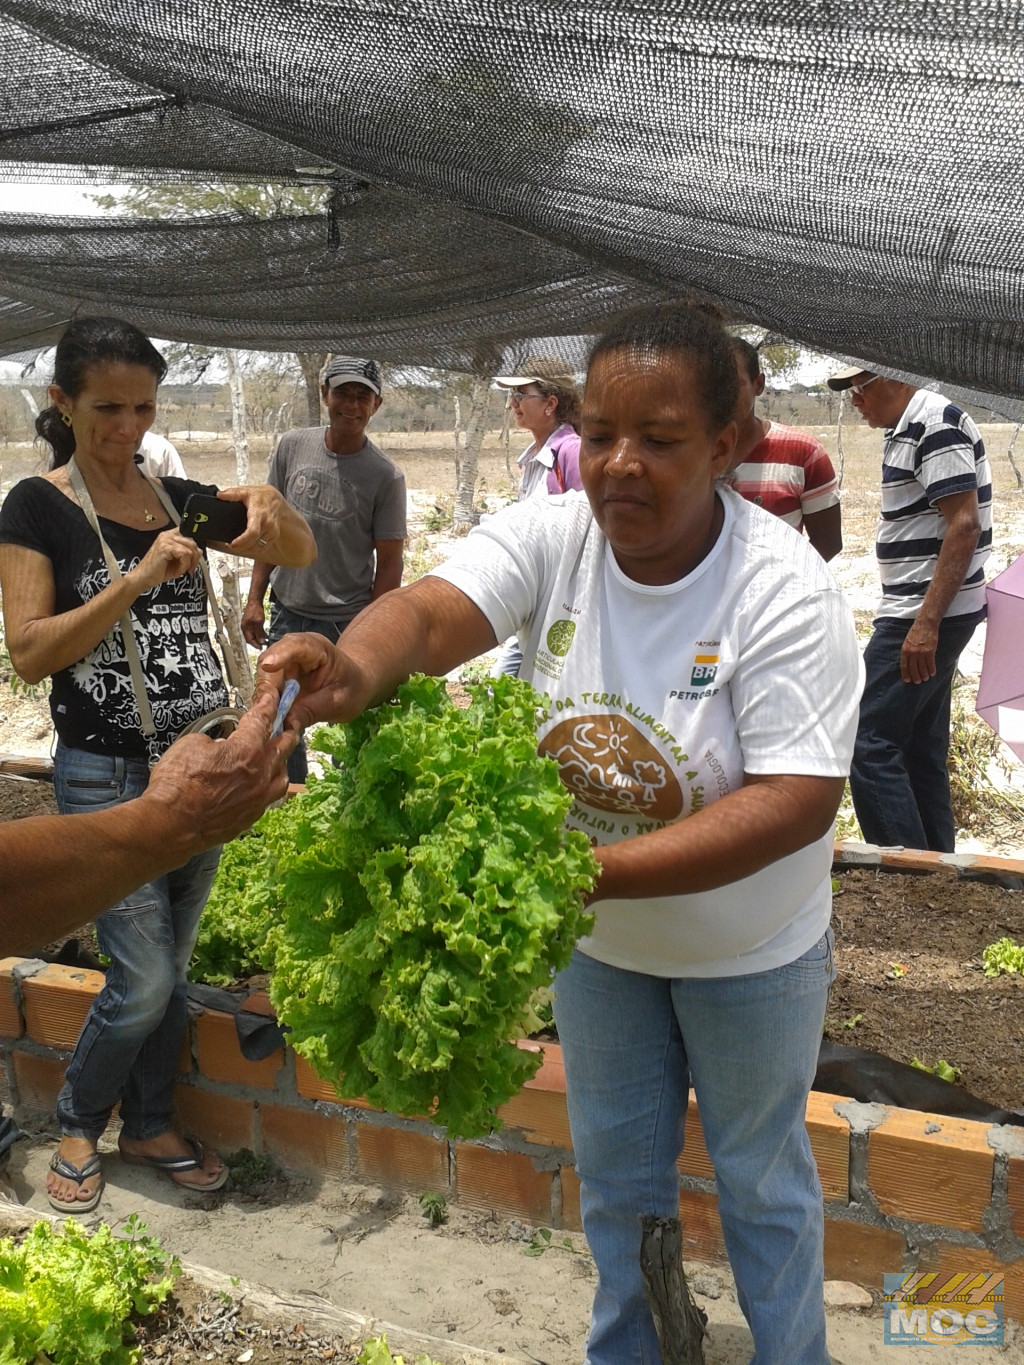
[(704, 677)]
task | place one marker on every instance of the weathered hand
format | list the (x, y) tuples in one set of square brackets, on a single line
[(263, 505), (254, 624), (331, 685), (221, 787), (917, 657)]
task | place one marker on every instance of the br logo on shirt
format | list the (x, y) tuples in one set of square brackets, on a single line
[(705, 667), (607, 763)]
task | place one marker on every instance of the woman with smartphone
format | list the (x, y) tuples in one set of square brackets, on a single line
[(104, 619)]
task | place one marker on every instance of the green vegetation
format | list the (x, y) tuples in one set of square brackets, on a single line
[(251, 1172), (413, 901), (1003, 956), (435, 1207), (67, 1296), (542, 1240), (942, 1069), (377, 1352)]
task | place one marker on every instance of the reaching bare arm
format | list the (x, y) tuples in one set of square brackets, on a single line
[(58, 871), (428, 627)]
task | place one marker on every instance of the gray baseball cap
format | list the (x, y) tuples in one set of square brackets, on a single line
[(352, 369)]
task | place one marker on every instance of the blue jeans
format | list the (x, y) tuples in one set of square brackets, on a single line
[(131, 1039), (632, 1045), (285, 622), (899, 780), (9, 1135)]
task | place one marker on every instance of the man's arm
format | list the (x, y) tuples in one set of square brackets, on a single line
[(963, 527), (58, 871), (825, 531), (254, 615), (388, 574)]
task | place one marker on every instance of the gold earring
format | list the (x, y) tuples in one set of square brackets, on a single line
[(65, 417)]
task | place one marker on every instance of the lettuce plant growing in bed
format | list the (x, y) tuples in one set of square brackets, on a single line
[(413, 900)]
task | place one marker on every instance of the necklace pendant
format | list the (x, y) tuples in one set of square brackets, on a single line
[(148, 515)]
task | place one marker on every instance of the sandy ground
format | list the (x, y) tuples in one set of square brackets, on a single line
[(469, 1281)]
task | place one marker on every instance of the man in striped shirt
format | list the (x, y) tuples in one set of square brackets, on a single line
[(934, 536), (783, 469)]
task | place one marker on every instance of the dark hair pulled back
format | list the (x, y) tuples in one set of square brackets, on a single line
[(88, 342), (694, 333), (749, 355)]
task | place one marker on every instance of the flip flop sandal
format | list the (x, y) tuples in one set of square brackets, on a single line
[(67, 1170), (172, 1165)]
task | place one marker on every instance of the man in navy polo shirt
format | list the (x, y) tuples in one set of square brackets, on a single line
[(934, 536)]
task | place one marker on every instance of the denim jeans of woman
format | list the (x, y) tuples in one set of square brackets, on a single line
[(632, 1046), (130, 1042)]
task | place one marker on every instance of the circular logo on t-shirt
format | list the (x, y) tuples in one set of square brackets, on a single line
[(559, 637), (607, 763)]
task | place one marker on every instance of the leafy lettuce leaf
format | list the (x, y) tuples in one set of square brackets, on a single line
[(425, 890)]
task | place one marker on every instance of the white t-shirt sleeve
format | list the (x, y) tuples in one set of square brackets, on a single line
[(796, 689)]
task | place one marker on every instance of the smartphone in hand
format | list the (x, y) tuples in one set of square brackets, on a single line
[(207, 518)]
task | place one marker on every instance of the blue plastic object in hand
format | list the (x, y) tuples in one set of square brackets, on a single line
[(288, 695)]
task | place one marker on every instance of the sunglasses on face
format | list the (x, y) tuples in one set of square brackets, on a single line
[(517, 396), (858, 389)]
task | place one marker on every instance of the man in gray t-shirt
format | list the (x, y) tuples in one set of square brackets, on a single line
[(353, 497)]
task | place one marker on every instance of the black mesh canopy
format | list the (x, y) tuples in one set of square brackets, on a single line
[(847, 175)]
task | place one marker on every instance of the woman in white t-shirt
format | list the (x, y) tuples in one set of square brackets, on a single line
[(704, 677)]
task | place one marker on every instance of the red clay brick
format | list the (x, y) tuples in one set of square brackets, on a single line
[(401, 1158), (220, 1120), (939, 1177), (861, 1253), (571, 1219), (39, 1080), (946, 1258), (539, 1111), (694, 1159), (11, 1023), (702, 1231), (540, 1115), (830, 1143), (1015, 1194), (259, 1003), (507, 1182), (221, 1059), (311, 1087), (304, 1141), (57, 999)]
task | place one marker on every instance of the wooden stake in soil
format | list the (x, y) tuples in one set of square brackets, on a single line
[(680, 1324)]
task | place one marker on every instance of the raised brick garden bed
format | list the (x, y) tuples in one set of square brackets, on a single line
[(903, 1190)]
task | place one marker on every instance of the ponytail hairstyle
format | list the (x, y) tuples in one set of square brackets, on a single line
[(85, 343)]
